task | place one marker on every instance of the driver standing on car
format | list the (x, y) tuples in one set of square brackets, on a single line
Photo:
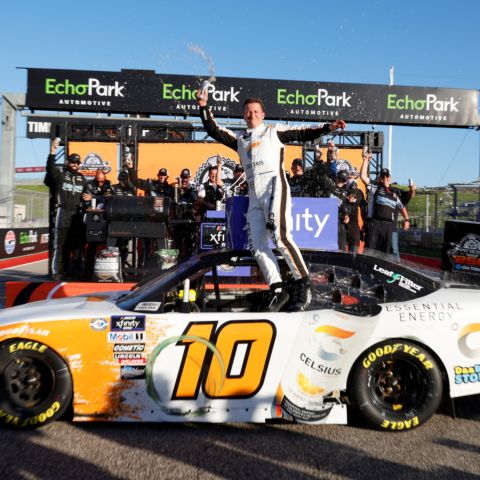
[(261, 150)]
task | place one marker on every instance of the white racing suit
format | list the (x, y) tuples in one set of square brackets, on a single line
[(261, 152)]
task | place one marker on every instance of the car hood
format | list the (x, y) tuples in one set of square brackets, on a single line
[(84, 306)]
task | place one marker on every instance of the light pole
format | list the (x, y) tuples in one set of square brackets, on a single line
[(390, 128)]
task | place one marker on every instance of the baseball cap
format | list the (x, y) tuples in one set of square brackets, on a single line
[(162, 171), (342, 175), (74, 158), (185, 173), (384, 172), (297, 161), (238, 168)]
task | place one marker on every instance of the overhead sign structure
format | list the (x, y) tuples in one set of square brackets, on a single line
[(148, 92)]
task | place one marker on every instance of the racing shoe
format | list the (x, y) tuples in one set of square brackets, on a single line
[(301, 295), (278, 297)]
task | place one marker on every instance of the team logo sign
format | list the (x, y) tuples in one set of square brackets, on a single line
[(228, 166), (93, 162)]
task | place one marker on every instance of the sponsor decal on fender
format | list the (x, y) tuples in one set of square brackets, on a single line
[(403, 282), (126, 337), (424, 312), (127, 323), (467, 374), (463, 338), (132, 372), (129, 347), (98, 324)]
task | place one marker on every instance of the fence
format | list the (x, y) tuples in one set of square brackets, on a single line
[(23, 207)]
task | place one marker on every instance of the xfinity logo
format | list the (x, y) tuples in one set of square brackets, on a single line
[(127, 323), (92, 87), (322, 97), (429, 103), (310, 222)]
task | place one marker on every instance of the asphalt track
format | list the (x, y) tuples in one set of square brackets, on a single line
[(444, 448)]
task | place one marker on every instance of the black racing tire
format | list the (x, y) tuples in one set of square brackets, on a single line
[(395, 385), (35, 385)]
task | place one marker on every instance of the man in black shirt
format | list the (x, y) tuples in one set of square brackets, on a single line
[(211, 192), (382, 204), (68, 188), (297, 179), (153, 188)]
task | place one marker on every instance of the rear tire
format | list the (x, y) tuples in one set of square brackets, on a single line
[(35, 384), (395, 385)]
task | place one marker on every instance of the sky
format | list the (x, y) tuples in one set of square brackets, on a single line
[(429, 43)]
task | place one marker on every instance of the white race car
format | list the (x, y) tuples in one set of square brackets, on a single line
[(196, 343)]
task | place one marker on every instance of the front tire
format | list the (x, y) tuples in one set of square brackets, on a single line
[(395, 385), (35, 384)]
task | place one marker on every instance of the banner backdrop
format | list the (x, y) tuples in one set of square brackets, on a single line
[(97, 155), (148, 92), (195, 156)]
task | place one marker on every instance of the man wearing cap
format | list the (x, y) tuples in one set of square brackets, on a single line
[(153, 188), (297, 179), (68, 187), (261, 150), (382, 205), (211, 192), (185, 234)]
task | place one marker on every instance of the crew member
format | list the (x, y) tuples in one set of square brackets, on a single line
[(68, 187), (296, 180), (100, 188), (261, 151), (210, 192), (355, 203), (382, 204), (154, 188), (185, 233)]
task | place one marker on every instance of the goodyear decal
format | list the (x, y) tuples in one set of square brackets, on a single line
[(379, 352), (38, 347)]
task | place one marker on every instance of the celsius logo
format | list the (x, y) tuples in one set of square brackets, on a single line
[(92, 87), (463, 339), (430, 102), (330, 347)]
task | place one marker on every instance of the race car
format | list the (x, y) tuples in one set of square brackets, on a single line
[(197, 343)]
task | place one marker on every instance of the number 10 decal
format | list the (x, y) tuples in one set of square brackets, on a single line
[(230, 362)]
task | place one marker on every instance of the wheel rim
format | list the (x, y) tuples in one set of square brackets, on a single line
[(28, 381), (397, 385)]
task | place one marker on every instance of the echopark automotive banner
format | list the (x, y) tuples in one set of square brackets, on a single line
[(147, 92)]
